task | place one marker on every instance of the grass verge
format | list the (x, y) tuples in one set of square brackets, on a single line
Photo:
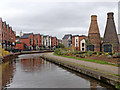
[(89, 60)]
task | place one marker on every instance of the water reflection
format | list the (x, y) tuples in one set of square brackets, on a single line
[(8, 70), (31, 71), (34, 64)]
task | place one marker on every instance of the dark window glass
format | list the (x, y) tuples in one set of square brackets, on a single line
[(107, 48), (90, 47), (82, 49), (83, 44), (30, 41)]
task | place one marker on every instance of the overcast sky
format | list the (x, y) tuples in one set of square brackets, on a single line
[(56, 18)]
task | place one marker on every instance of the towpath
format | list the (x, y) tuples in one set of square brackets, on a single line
[(102, 67)]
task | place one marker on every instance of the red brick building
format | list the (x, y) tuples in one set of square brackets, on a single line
[(0, 31), (79, 43), (54, 42), (7, 35), (37, 40), (32, 41), (20, 46), (29, 40), (94, 42), (41, 40), (57, 42)]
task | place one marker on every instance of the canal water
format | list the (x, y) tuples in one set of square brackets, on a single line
[(31, 71)]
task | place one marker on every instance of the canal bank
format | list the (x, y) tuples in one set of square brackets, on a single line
[(14, 55), (105, 73)]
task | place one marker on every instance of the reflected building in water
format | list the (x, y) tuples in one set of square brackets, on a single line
[(34, 64), (8, 70)]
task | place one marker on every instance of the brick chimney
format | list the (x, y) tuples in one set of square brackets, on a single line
[(93, 36), (93, 18), (110, 40), (94, 26), (110, 15)]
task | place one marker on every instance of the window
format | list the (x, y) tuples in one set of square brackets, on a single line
[(76, 45), (37, 41), (54, 42), (83, 49), (76, 40), (83, 44), (33, 40), (30, 41), (40, 41), (46, 42)]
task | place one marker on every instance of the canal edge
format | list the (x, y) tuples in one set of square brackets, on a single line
[(102, 77)]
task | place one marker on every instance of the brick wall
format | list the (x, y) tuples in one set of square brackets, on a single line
[(20, 46)]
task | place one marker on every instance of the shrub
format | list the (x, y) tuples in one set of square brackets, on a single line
[(95, 53), (74, 53), (82, 56), (116, 55), (59, 52), (86, 54), (64, 53), (77, 55), (78, 52), (90, 53), (83, 52), (106, 53), (99, 53), (109, 56), (110, 53), (60, 45)]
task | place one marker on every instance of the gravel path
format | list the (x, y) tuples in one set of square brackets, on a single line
[(105, 68)]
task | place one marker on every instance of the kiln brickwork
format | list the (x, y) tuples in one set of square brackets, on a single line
[(110, 40), (93, 43)]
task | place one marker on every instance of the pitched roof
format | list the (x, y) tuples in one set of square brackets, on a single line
[(75, 35), (26, 35), (67, 36), (53, 37), (36, 35), (3, 23), (10, 28)]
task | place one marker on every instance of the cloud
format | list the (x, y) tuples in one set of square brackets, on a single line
[(55, 18)]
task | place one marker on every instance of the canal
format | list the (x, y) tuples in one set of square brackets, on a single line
[(31, 71)]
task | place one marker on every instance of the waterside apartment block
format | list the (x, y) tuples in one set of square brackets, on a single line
[(7, 35), (37, 41)]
